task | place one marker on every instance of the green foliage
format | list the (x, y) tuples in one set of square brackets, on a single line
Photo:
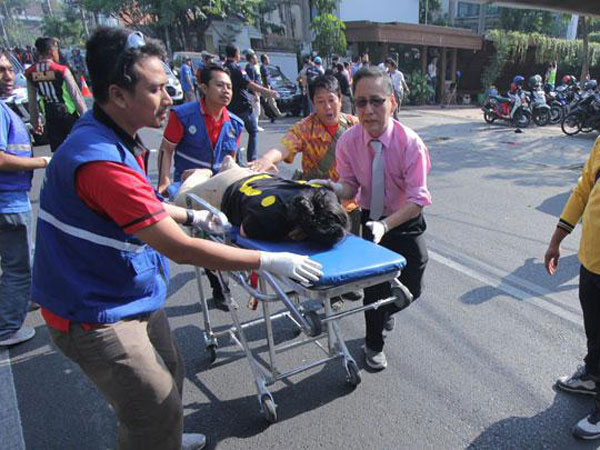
[(67, 27), (420, 90), (594, 36), (431, 6), (329, 31), (325, 6), (530, 21), (513, 46)]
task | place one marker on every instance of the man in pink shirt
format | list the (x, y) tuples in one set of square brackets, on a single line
[(392, 201)]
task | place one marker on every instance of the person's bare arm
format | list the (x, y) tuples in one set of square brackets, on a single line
[(404, 214), (34, 114), (552, 255), (268, 162), (12, 163), (257, 88), (75, 93), (165, 161)]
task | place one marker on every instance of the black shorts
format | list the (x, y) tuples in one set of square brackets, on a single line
[(59, 123)]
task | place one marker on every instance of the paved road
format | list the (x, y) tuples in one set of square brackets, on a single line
[(471, 364)]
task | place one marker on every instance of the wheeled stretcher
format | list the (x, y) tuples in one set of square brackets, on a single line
[(350, 265)]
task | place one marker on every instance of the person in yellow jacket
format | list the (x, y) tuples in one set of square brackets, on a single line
[(584, 204)]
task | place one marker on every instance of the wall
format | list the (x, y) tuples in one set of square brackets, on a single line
[(382, 11), (226, 32)]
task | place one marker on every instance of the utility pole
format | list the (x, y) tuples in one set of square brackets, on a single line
[(84, 21), (426, 10)]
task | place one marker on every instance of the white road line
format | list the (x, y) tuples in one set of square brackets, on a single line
[(503, 283), (10, 417)]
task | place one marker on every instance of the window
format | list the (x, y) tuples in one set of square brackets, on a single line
[(466, 9)]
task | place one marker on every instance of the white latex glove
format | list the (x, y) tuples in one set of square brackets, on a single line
[(329, 184), (298, 267), (378, 228), (47, 159), (206, 221)]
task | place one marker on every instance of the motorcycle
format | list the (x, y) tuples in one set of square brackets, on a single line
[(585, 117), (513, 110), (541, 112)]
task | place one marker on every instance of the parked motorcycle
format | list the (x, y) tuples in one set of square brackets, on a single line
[(585, 117), (513, 110), (540, 110)]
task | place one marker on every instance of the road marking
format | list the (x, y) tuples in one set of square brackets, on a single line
[(508, 283), (10, 417)]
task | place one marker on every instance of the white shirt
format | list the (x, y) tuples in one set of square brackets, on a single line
[(432, 70), (397, 81)]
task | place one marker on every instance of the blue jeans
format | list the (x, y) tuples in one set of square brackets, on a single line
[(15, 262), (251, 125)]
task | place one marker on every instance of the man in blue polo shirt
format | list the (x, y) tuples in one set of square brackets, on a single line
[(186, 77), (16, 171)]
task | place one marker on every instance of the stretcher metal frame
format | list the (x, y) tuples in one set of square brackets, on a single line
[(303, 315)]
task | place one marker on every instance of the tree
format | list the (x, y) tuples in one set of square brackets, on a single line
[(66, 26), (329, 29), (530, 21), (426, 10)]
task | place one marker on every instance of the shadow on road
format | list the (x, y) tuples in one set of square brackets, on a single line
[(554, 205)]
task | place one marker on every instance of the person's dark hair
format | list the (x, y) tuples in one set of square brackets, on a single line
[(339, 67), (6, 53), (264, 58), (319, 215), (355, 58), (391, 62), (249, 56), (45, 44), (231, 50), (109, 63), (327, 82), (372, 72), (206, 74)]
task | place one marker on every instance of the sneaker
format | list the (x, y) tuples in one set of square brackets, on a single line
[(390, 324), (192, 441), (260, 128), (21, 335), (337, 303), (578, 383), (375, 360), (403, 296), (588, 427), (353, 296), (219, 299)]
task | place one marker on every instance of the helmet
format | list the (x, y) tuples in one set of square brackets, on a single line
[(318, 60), (590, 84), (518, 80), (569, 80), (534, 81)]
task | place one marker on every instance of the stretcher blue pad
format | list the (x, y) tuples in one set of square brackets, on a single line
[(351, 259)]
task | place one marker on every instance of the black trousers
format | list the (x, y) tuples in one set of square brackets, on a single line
[(58, 124), (409, 241), (589, 296)]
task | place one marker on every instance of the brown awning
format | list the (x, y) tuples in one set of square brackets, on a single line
[(583, 7), (413, 34)]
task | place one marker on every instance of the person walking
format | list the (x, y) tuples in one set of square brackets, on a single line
[(344, 88), (388, 162), (186, 78), (103, 238), (582, 205), (243, 89), (269, 104), (432, 78), (54, 83), (399, 84), (16, 171)]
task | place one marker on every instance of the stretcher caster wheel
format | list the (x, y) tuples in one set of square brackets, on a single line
[(316, 327), (212, 353), (353, 377), (269, 409)]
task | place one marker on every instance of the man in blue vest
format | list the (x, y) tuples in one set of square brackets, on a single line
[(16, 171), (103, 238), (199, 135)]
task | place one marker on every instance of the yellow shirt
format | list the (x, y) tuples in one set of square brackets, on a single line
[(584, 204)]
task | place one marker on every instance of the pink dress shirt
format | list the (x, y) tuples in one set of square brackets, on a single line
[(406, 160)]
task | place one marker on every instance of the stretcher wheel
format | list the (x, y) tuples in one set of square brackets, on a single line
[(353, 377), (316, 327), (212, 353), (269, 408)]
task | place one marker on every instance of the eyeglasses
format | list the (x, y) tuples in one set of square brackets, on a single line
[(134, 40), (375, 102)]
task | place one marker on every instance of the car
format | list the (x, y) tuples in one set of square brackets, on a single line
[(290, 98), (173, 86)]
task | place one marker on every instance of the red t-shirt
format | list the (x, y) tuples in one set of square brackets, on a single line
[(119, 193), (174, 131), (332, 129)]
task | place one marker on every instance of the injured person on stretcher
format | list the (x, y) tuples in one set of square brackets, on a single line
[(268, 207)]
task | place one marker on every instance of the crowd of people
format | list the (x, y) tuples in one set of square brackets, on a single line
[(105, 234)]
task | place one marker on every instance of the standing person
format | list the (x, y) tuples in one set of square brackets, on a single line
[(269, 104), (16, 171), (200, 135), (389, 163), (103, 238), (54, 83), (319, 65), (432, 77), (186, 79), (398, 83), (356, 64), (550, 76), (240, 103), (307, 75), (344, 88), (583, 205), (253, 71)]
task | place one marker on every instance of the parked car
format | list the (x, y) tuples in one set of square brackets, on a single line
[(290, 98), (179, 57), (173, 86)]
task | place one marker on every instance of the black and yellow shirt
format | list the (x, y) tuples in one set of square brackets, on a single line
[(584, 204), (259, 203)]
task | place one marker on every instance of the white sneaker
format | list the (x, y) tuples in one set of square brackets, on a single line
[(259, 128), (192, 441), (21, 335), (375, 360), (588, 427)]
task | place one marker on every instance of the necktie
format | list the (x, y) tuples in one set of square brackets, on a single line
[(377, 182)]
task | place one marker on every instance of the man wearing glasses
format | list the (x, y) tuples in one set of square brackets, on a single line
[(103, 238), (389, 163)]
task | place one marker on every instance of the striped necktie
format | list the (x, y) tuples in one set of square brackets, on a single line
[(377, 182)]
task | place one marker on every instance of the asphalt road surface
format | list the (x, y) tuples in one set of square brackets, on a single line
[(471, 364)]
